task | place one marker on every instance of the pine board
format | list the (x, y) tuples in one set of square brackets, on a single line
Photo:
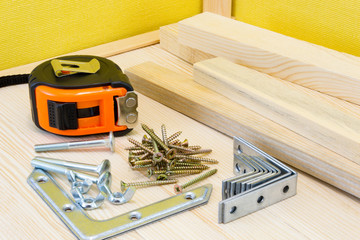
[(312, 66)]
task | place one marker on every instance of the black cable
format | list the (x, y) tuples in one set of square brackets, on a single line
[(13, 80)]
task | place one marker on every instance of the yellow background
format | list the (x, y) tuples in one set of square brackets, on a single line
[(34, 30)]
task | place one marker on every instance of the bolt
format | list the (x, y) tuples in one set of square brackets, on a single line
[(197, 159), (162, 177), (181, 148), (107, 142), (99, 169), (146, 183), (141, 166), (179, 188)]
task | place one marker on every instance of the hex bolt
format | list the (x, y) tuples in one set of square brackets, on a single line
[(61, 170), (146, 183), (179, 188), (99, 169), (107, 142)]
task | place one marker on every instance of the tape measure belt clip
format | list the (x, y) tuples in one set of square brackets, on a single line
[(96, 98)]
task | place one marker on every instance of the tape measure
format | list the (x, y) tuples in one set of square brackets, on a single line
[(82, 95)]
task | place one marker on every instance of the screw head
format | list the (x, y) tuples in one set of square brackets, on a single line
[(122, 185), (162, 177), (177, 188), (150, 172)]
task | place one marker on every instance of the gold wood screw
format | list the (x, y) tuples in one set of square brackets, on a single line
[(174, 172), (146, 183), (170, 153), (174, 136), (179, 188), (197, 159)]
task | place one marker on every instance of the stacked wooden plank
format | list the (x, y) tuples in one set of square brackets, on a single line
[(295, 100)]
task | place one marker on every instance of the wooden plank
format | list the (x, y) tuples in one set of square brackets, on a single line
[(169, 41), (190, 98), (104, 50), (325, 120), (222, 7), (315, 67)]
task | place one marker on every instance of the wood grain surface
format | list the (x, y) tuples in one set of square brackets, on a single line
[(328, 121), (318, 211), (315, 67), (221, 7)]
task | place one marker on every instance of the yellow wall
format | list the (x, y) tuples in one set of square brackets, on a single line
[(32, 30), (332, 23)]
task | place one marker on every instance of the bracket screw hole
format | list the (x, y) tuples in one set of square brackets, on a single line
[(135, 216), (286, 189), (42, 179), (233, 209), (68, 208), (239, 149), (260, 199), (190, 196)]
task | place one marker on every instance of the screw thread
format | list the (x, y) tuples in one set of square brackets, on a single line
[(154, 137), (199, 178), (174, 136), (143, 162), (150, 183), (164, 134), (133, 141), (197, 159), (181, 148), (196, 167), (200, 151)]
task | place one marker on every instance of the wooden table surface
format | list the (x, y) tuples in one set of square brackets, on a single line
[(318, 211)]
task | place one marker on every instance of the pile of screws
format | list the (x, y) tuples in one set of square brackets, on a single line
[(166, 158)]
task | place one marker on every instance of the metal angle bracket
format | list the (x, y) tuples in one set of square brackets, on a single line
[(269, 192), (84, 227)]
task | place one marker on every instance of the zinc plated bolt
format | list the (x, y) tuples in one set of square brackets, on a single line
[(179, 188), (146, 183), (106, 142), (99, 169)]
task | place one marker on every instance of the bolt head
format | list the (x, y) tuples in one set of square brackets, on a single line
[(150, 172), (111, 141), (104, 166)]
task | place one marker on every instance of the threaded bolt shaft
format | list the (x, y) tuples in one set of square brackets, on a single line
[(146, 183), (178, 189), (196, 167)]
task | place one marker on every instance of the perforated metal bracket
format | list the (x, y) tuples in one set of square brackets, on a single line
[(260, 181), (84, 227)]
